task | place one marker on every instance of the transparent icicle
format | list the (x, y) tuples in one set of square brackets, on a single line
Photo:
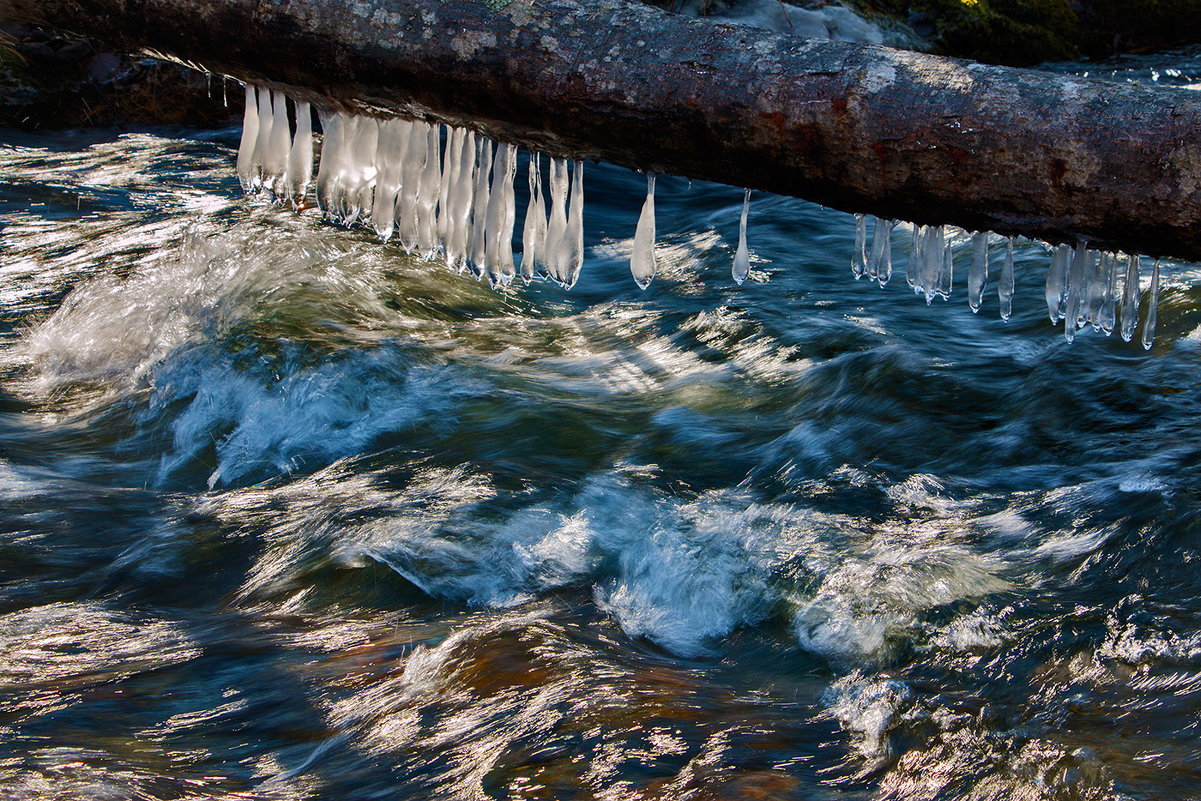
[(1057, 283), (444, 183), (300, 157), (339, 130), (262, 142), (1130, 298), (393, 141), (410, 185), (530, 229), (1095, 296), (1005, 282), (427, 194), (879, 263), (742, 256), (556, 228), (345, 180), (275, 165), (642, 259), (460, 200), (361, 184), (977, 274), (1077, 301), (930, 260), (540, 217), (946, 271), (495, 217), (330, 127), (479, 213), (250, 135), (859, 255), (507, 270), (1109, 298), (446, 198), (575, 225), (1152, 309), (913, 265)]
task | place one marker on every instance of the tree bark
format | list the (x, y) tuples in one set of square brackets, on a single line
[(860, 128)]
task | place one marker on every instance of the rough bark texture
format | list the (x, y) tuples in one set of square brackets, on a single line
[(892, 133)]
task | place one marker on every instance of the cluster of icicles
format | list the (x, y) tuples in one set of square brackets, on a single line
[(447, 194), (450, 194), (1082, 284)]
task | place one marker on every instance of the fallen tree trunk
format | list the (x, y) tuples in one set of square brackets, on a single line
[(860, 128)]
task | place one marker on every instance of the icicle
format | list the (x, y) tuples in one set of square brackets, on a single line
[(448, 162), (540, 219), (300, 157), (507, 270), (224, 92), (575, 225), (642, 259), (427, 194), (410, 185), (529, 229), (946, 271), (495, 217), (1077, 292), (913, 265), (1005, 284), (557, 225), (389, 160), (250, 135), (460, 203), (1109, 300), (930, 262), (361, 171), (479, 214), (275, 162), (858, 255), (879, 263), (1130, 298), (1152, 309), (1096, 283), (742, 257), (977, 274), (262, 142), (1057, 283), (339, 132)]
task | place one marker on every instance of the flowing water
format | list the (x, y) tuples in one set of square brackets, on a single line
[(288, 513)]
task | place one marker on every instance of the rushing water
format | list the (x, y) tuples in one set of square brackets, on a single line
[(287, 513)]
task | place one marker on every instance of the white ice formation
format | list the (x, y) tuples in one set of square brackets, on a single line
[(448, 192), (642, 259), (441, 191), (1084, 287)]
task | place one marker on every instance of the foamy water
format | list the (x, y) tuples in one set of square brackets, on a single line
[(288, 513)]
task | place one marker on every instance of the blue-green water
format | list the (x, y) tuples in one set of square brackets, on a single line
[(286, 513)]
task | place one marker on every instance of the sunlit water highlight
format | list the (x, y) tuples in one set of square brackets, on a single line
[(287, 513)]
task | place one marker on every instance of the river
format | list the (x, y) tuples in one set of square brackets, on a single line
[(286, 513)]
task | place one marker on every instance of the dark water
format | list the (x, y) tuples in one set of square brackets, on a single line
[(285, 513)]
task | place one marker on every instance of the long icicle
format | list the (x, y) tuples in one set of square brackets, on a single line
[(642, 258), (1152, 309), (300, 157), (575, 226), (1130, 298), (529, 229), (250, 135), (1005, 283), (742, 256)]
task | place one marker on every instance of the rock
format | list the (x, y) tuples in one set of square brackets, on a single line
[(102, 67)]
